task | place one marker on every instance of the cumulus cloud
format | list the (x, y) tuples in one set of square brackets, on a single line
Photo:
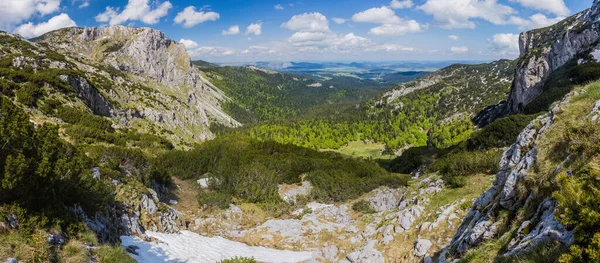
[(454, 37), (13, 12), (459, 50), (391, 25), (254, 29), (381, 15), (84, 4), (399, 4), (189, 44), (534, 21), (233, 30), (279, 7), (189, 17), (451, 14), (210, 51), (506, 44), (308, 22), (411, 26), (338, 21), (556, 7), (33, 30), (391, 48), (303, 37), (135, 10)]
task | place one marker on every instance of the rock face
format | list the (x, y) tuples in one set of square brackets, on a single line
[(94, 99), (547, 49), (480, 225), (144, 75)]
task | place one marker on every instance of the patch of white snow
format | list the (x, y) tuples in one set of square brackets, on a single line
[(190, 247)]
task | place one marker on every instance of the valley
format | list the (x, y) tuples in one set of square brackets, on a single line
[(117, 145)]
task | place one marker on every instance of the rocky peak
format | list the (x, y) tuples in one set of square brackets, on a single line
[(547, 49), (140, 51)]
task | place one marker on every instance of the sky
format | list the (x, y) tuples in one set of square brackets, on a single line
[(309, 30)]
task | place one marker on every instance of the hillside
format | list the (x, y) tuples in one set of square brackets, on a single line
[(147, 77), (431, 110), (115, 147), (264, 95)]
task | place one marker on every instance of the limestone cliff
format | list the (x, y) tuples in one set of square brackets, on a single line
[(547, 49), (148, 76)]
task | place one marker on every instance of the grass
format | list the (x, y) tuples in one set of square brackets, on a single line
[(364, 150), (399, 248), (108, 254)]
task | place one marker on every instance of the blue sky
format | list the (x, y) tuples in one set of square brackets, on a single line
[(309, 30)]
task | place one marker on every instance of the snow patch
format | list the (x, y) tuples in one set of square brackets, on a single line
[(190, 247)]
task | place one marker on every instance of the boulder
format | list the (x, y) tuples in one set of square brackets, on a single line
[(421, 247)]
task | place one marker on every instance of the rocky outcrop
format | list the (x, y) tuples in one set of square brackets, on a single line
[(146, 75), (547, 49), (94, 99), (384, 199), (480, 223)]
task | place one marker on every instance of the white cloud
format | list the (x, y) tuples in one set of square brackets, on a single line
[(459, 50), (506, 44), (399, 4), (209, 51), (411, 26), (255, 29), (390, 48), (279, 7), (338, 21), (233, 30), (84, 4), (307, 36), (13, 12), (189, 17), (135, 10), (32, 30), (534, 21), (459, 13), (556, 7), (454, 37), (309, 22), (381, 15), (391, 25), (189, 44)]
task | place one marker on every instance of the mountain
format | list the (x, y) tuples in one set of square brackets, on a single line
[(259, 94), (464, 89), (147, 77), (115, 147), (545, 54)]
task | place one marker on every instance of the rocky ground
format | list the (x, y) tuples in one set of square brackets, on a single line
[(410, 224)]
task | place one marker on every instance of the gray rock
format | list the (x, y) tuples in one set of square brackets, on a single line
[(387, 239), (547, 229), (421, 247), (94, 99), (11, 260), (427, 259), (96, 173), (366, 254), (330, 253), (384, 199), (291, 195), (544, 59), (148, 204), (405, 221), (12, 221)]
